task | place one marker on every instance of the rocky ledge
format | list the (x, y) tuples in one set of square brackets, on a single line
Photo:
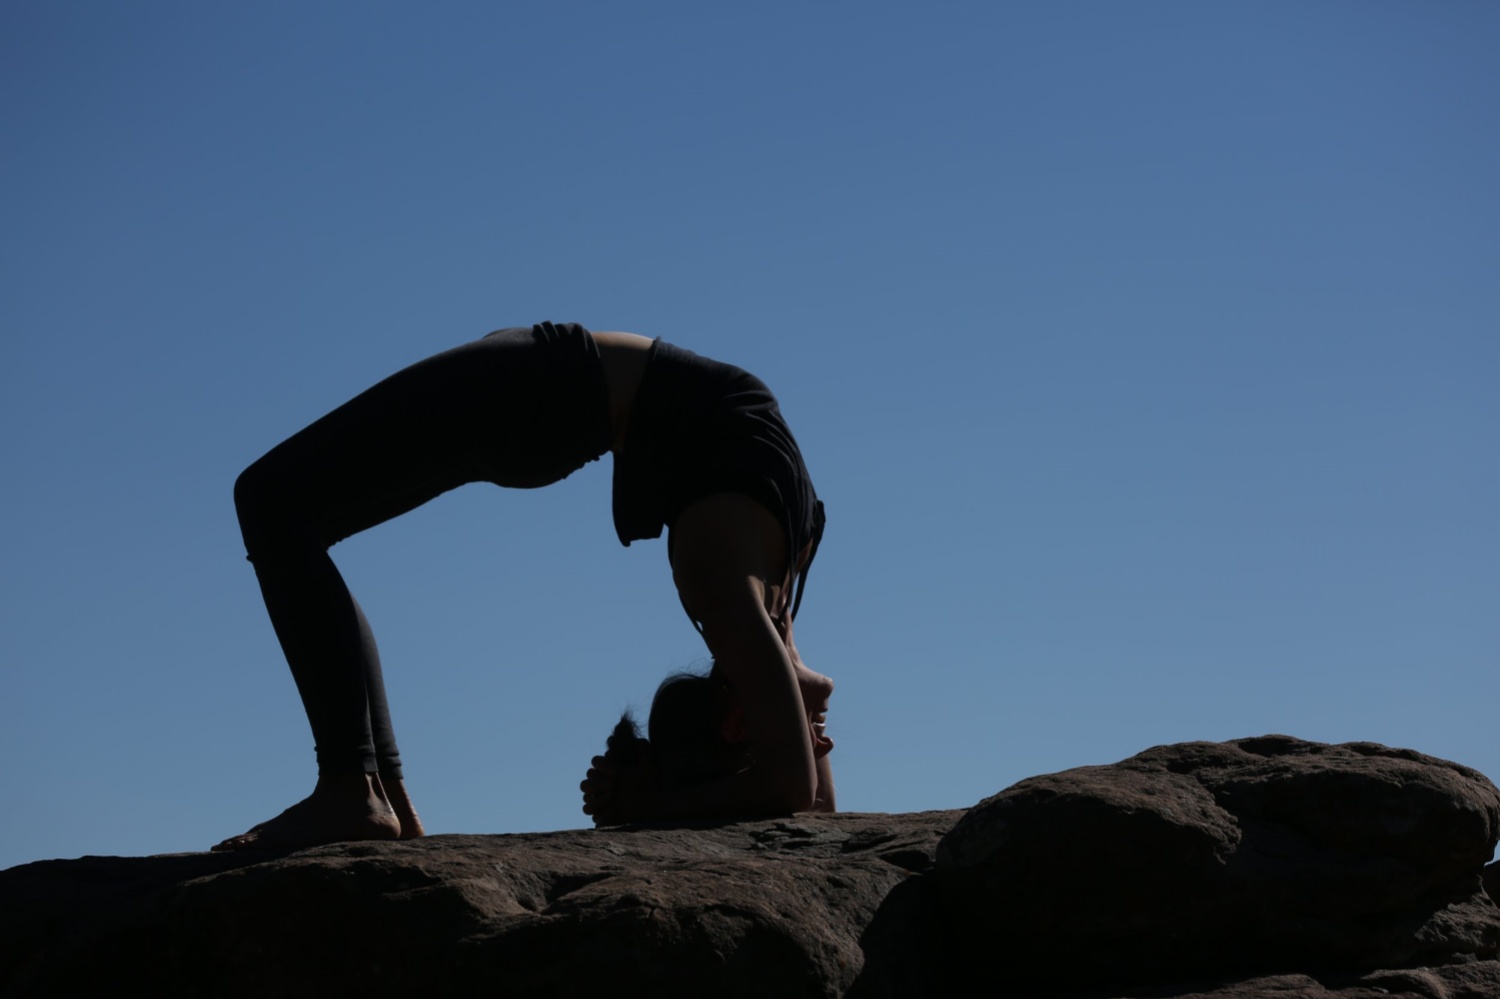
[(1258, 867)]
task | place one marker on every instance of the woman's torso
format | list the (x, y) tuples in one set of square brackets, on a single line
[(624, 357), (705, 428)]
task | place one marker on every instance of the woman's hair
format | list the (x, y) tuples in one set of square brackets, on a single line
[(685, 731)]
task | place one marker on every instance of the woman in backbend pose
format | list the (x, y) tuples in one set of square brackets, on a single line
[(700, 448)]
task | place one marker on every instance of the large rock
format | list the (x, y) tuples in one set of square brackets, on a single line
[(1256, 856), (749, 909), (1470, 980), (1331, 872)]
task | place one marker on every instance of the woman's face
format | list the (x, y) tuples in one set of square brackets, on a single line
[(816, 690)]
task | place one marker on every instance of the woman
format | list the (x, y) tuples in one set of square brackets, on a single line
[(700, 448)]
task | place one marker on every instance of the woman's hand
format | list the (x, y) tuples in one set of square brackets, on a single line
[(614, 794)]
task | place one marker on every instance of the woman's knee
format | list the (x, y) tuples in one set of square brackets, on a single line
[(253, 489), (268, 519)]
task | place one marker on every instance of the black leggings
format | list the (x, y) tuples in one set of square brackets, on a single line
[(520, 407)]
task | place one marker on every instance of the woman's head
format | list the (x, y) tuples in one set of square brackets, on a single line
[(686, 731)]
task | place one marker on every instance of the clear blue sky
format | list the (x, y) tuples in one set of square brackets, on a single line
[(1145, 355)]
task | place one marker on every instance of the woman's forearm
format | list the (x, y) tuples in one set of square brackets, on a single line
[(824, 801)]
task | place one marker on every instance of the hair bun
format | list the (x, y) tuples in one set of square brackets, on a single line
[(625, 745)]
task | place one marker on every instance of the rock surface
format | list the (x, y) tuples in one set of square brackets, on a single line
[(1185, 871), (775, 907), (1249, 857)]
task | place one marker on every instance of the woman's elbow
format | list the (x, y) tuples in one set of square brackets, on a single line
[(807, 802), (800, 793)]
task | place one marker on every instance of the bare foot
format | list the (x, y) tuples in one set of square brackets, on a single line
[(406, 812), (348, 807)]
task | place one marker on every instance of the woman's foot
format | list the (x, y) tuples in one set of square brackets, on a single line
[(406, 812), (341, 808)]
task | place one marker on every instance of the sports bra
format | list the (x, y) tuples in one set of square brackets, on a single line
[(698, 427)]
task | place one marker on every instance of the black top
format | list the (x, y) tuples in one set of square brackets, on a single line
[(699, 427)]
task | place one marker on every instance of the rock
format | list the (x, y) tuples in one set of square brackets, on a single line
[(1258, 868), (1471, 980), (775, 907), (1219, 860)]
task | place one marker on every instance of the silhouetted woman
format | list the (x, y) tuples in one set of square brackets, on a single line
[(700, 448)]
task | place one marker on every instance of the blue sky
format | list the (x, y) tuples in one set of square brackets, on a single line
[(1144, 354)]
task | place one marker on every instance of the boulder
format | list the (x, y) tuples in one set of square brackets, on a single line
[(1258, 868), (1209, 860), (752, 909), (1470, 980)]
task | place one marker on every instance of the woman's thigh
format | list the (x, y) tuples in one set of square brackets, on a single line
[(512, 408)]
